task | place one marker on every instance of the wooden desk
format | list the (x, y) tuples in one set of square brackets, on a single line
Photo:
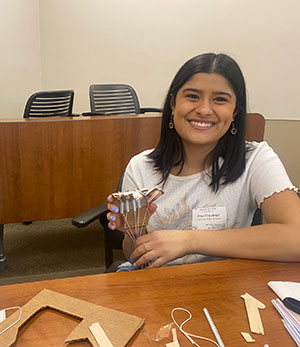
[(152, 294), (59, 167)]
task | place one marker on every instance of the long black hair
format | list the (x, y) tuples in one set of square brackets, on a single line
[(169, 152)]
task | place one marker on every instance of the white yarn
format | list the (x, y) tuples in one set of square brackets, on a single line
[(187, 334)]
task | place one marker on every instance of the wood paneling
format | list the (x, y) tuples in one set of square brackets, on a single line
[(57, 168)]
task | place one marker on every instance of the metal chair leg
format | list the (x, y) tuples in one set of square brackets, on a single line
[(2, 257)]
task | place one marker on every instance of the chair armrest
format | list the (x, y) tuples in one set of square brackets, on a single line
[(150, 109), (89, 216)]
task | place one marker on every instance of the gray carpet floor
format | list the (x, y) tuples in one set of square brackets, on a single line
[(52, 249)]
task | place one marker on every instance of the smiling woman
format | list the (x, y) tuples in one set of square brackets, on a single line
[(212, 178), (220, 98)]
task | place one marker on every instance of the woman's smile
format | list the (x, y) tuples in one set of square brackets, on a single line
[(201, 125)]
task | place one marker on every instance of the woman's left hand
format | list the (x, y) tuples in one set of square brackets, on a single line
[(162, 246)]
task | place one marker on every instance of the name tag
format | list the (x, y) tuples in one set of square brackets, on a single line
[(210, 218)]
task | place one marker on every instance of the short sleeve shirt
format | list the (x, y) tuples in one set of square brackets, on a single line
[(263, 176)]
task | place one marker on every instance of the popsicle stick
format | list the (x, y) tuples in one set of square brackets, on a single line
[(247, 337), (99, 335), (252, 307), (175, 342)]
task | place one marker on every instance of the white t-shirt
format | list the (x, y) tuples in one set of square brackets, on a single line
[(234, 203)]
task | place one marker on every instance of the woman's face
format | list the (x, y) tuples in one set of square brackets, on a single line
[(203, 109)]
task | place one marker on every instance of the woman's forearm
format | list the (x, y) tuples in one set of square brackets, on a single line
[(278, 239), (278, 242)]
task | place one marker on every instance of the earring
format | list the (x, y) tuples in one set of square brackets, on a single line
[(233, 129), (171, 124)]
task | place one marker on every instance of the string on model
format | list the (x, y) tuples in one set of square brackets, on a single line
[(133, 206)]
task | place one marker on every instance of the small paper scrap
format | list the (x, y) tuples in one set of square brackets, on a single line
[(2, 315)]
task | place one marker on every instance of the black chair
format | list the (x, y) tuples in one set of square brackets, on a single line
[(112, 238), (255, 126), (50, 104), (115, 99)]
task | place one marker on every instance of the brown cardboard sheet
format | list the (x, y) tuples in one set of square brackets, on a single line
[(119, 327)]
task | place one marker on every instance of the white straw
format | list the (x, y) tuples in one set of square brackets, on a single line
[(213, 328)]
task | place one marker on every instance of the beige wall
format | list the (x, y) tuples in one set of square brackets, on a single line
[(284, 138), (143, 43), (20, 59)]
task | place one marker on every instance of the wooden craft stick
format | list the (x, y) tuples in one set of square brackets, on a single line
[(174, 334), (247, 337), (175, 342), (252, 307), (100, 336)]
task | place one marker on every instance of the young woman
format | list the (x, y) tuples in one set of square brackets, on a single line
[(213, 180)]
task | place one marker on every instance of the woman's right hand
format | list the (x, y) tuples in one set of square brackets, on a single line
[(116, 220)]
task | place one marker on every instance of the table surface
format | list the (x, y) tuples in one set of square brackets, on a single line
[(153, 293)]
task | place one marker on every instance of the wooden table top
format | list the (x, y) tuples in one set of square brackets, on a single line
[(152, 294)]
